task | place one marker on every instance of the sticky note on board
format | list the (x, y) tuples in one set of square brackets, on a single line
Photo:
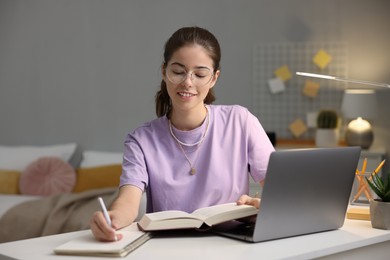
[(311, 119), (311, 88), (276, 85), (297, 127), (322, 59), (283, 73)]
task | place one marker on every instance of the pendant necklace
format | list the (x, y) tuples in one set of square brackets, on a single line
[(197, 144)]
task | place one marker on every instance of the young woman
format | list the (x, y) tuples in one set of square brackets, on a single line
[(194, 154)]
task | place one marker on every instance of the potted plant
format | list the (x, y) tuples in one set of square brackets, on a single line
[(380, 207), (327, 132)]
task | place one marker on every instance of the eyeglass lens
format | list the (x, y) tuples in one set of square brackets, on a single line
[(199, 77)]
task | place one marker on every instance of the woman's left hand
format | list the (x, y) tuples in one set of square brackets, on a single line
[(246, 200)]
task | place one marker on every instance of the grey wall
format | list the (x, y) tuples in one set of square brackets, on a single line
[(87, 71)]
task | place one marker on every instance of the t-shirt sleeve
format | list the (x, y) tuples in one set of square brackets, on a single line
[(134, 170), (259, 148)]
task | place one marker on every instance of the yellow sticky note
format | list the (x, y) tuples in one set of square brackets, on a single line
[(322, 59), (283, 73), (311, 88), (297, 127)]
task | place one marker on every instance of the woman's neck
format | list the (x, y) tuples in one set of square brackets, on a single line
[(188, 120)]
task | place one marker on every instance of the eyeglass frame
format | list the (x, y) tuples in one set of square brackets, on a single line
[(189, 73)]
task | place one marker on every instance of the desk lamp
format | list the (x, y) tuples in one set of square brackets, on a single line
[(358, 103)]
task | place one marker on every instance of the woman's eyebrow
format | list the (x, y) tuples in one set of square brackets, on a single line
[(178, 64), (184, 67)]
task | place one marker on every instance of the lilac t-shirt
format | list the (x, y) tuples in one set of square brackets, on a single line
[(235, 145)]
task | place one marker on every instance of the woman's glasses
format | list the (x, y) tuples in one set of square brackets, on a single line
[(199, 77)]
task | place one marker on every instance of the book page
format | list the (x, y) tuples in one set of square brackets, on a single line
[(224, 212), (169, 214), (206, 212), (171, 219)]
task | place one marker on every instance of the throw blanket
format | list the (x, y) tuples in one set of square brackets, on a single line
[(52, 215)]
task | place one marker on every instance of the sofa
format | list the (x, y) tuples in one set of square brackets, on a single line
[(46, 190)]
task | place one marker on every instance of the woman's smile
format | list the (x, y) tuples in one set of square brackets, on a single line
[(186, 94)]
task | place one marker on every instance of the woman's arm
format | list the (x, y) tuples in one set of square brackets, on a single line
[(123, 212)]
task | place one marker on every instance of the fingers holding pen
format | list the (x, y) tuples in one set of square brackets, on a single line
[(101, 230), (107, 224)]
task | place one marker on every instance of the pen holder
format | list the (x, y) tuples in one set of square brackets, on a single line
[(361, 193)]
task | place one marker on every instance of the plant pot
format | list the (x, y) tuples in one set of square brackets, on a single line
[(380, 214), (327, 137)]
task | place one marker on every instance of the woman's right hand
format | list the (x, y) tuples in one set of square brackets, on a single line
[(123, 212), (100, 228)]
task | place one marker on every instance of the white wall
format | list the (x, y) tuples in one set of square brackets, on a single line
[(87, 71)]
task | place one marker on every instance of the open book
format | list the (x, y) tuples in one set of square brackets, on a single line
[(87, 245), (174, 219)]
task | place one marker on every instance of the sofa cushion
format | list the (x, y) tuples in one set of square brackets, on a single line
[(47, 176), (98, 177), (9, 181)]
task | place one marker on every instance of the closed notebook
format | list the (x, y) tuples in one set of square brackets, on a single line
[(87, 245)]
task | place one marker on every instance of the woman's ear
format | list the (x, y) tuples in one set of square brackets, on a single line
[(215, 78), (163, 70)]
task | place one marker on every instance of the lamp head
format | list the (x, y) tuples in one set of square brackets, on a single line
[(359, 104)]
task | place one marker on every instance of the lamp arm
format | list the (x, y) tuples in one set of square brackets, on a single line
[(364, 82), (313, 75)]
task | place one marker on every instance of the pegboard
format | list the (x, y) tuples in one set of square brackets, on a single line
[(277, 111)]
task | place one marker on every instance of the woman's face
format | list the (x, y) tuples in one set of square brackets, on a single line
[(189, 76)]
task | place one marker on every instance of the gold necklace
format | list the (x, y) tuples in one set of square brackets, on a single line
[(179, 143), (193, 170), (185, 144)]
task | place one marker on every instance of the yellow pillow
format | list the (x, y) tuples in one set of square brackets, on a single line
[(97, 177), (9, 182)]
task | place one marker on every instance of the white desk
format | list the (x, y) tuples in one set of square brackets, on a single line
[(356, 239)]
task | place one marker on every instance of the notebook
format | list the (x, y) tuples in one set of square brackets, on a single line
[(87, 245), (305, 191)]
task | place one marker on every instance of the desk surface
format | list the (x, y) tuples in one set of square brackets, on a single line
[(354, 234)]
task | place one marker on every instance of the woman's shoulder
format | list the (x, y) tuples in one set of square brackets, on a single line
[(150, 128), (229, 110)]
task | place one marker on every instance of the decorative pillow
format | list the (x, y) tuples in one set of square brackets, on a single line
[(19, 157), (47, 176), (9, 182), (98, 177), (99, 158)]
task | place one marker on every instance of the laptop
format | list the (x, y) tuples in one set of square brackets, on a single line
[(305, 191)]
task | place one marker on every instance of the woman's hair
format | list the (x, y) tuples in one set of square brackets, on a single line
[(182, 37)]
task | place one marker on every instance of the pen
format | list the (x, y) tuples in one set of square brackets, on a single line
[(104, 209)]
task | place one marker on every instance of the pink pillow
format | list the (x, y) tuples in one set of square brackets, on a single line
[(47, 176)]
